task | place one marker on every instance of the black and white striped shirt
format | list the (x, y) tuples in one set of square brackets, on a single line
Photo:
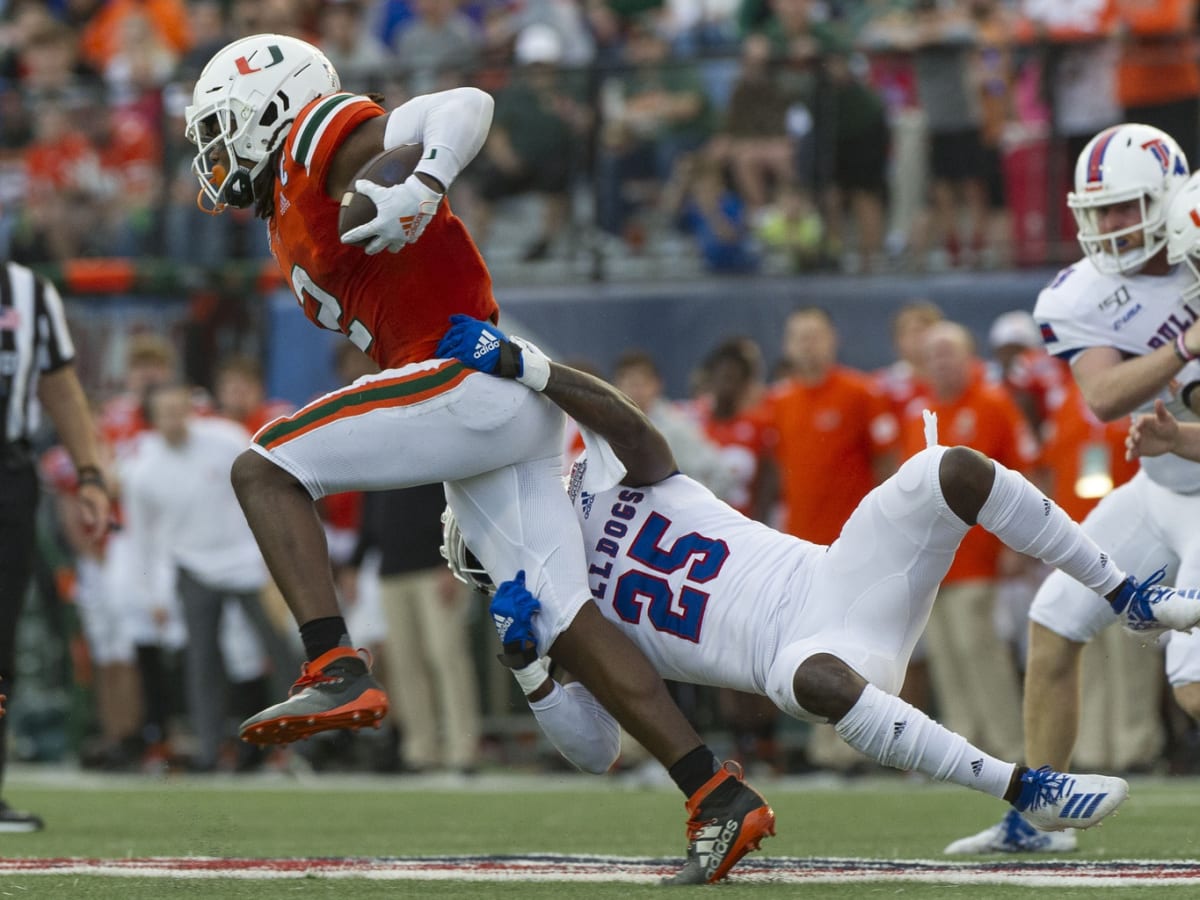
[(33, 340)]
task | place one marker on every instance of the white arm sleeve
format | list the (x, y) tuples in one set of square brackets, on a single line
[(451, 124), (584, 732)]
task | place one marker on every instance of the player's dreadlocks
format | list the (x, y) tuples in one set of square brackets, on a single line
[(264, 184)]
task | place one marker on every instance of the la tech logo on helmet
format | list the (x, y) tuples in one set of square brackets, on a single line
[(1158, 147), (243, 63)]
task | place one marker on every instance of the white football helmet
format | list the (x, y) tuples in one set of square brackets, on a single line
[(1121, 164), (244, 102), (462, 562), (1183, 232)]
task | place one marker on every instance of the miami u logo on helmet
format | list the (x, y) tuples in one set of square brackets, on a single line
[(243, 62)]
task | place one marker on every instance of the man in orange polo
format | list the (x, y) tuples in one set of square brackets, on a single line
[(974, 674), (829, 428)]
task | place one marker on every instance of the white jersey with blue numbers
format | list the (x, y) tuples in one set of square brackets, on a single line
[(1083, 308), (695, 584)]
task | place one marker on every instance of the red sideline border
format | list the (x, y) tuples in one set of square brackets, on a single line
[(551, 868)]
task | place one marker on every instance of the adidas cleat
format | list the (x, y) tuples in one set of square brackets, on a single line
[(1013, 835), (727, 819), (1053, 801), (334, 691), (1150, 606)]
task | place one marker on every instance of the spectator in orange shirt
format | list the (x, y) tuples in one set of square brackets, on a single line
[(103, 37), (730, 417), (241, 394), (1158, 81), (901, 380), (825, 419), (1033, 378), (62, 216), (974, 674)]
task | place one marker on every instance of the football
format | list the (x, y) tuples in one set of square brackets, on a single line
[(389, 167)]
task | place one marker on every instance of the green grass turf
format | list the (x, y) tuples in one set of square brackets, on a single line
[(891, 819)]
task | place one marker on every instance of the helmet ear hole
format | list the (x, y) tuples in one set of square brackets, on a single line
[(270, 115)]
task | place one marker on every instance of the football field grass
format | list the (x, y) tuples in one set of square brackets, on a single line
[(378, 820)]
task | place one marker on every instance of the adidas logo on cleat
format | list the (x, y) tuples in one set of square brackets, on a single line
[(720, 847), (1081, 806)]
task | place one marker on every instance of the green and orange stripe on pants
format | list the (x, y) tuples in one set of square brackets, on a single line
[(385, 393)]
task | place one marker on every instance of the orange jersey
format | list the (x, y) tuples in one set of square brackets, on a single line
[(394, 306), (743, 442), (1158, 58), (1076, 441), (988, 420), (1041, 376), (826, 439)]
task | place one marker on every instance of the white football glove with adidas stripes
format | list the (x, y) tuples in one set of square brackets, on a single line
[(401, 213), (481, 345)]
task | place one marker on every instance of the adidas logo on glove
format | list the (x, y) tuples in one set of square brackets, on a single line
[(486, 344), (503, 623)]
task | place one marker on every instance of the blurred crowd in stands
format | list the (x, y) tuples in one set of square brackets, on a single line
[(751, 134)]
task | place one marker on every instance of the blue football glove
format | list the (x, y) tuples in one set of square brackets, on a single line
[(513, 609), (482, 346)]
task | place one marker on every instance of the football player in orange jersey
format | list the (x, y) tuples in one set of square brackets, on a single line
[(274, 131)]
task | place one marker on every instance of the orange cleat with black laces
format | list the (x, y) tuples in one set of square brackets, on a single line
[(726, 820), (336, 690)]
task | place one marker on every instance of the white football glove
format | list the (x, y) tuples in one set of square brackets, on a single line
[(401, 213)]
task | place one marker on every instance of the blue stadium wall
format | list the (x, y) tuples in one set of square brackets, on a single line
[(680, 322)]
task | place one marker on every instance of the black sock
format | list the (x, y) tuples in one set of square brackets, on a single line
[(693, 769), (322, 635), (1014, 784)]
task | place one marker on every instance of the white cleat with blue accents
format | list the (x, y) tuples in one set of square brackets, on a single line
[(1049, 805), (1152, 607), (1053, 801), (1012, 834)]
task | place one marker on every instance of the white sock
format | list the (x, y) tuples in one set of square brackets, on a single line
[(1028, 522), (895, 734)]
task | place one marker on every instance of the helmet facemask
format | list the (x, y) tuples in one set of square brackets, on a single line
[(1104, 248), (224, 178), (462, 562)]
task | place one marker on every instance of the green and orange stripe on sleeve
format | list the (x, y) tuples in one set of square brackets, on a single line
[(405, 390)]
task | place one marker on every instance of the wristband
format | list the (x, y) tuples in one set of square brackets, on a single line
[(535, 365), (1181, 350), (90, 475), (532, 677)]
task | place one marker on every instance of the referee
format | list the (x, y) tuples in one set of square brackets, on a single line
[(36, 372)]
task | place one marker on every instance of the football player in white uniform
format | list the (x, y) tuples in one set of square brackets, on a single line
[(1123, 318), (1159, 432), (712, 597)]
